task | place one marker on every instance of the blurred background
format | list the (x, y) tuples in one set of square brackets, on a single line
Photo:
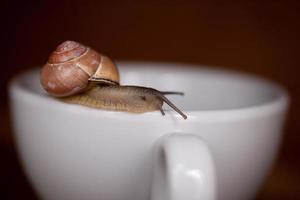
[(259, 37)]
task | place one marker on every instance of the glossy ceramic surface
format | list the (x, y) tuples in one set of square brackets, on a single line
[(224, 149)]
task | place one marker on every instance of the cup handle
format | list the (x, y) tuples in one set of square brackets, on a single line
[(183, 169)]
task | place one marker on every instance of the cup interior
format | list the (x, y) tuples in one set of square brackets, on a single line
[(204, 88)]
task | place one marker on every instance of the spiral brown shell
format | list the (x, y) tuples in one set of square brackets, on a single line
[(72, 66)]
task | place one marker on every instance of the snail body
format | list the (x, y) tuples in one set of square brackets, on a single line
[(134, 99), (78, 74)]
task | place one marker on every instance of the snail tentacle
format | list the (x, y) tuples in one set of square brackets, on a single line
[(167, 101)]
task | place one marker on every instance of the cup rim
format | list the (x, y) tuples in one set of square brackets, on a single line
[(278, 104)]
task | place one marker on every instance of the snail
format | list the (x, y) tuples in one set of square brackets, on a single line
[(78, 74)]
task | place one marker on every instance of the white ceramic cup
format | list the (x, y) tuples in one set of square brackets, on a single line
[(224, 149)]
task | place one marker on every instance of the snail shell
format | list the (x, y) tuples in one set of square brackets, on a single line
[(72, 67)]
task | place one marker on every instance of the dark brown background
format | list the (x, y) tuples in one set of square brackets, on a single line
[(260, 37)]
